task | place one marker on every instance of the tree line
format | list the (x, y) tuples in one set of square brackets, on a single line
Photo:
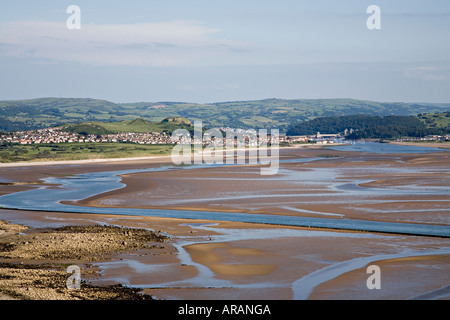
[(366, 127)]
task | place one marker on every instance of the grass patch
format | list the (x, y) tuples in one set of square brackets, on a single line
[(437, 120), (80, 151)]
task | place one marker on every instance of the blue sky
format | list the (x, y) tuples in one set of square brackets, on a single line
[(210, 50)]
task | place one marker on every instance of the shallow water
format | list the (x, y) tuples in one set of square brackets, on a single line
[(82, 186), (74, 188), (343, 190), (206, 278), (383, 148), (303, 287)]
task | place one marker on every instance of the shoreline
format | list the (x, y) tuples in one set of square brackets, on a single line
[(442, 145), (84, 161), (112, 160)]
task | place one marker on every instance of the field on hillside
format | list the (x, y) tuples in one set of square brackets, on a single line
[(138, 126), (438, 120)]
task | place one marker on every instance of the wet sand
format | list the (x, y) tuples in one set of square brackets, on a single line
[(396, 188), (443, 144), (232, 260), (204, 260)]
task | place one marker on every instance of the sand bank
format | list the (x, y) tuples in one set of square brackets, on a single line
[(232, 260), (82, 162), (435, 144), (204, 260), (395, 188), (165, 158)]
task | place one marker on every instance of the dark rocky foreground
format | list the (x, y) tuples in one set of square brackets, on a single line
[(33, 262)]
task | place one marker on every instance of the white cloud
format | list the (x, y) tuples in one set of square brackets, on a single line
[(173, 43), (425, 73)]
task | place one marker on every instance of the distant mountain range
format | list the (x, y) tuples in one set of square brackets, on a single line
[(270, 113)]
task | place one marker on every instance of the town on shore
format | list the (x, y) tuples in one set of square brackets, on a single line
[(58, 135)]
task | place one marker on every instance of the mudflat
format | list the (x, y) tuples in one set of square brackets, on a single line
[(202, 259), (383, 187)]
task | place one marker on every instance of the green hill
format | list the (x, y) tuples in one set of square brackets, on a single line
[(51, 112), (177, 120), (138, 125), (278, 113), (269, 113), (87, 128), (436, 120)]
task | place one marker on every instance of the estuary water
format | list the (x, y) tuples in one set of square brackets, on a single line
[(82, 186), (384, 148)]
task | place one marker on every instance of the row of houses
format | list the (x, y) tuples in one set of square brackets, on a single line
[(57, 135), (428, 138), (226, 136), (137, 137), (49, 135)]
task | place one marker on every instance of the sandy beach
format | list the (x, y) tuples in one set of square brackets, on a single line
[(443, 144), (203, 259)]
